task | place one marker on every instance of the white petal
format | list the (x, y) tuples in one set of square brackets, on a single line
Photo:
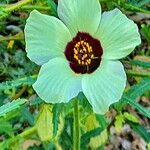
[(56, 82), (46, 37), (118, 35), (105, 86), (80, 15)]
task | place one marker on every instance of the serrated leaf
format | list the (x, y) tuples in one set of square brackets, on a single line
[(25, 113), (99, 140), (119, 122), (140, 63), (3, 13), (146, 31), (130, 117), (56, 117), (135, 91), (85, 138), (139, 89), (83, 101), (10, 115), (139, 3), (102, 121), (92, 122), (6, 127), (143, 132), (11, 106), (16, 83), (143, 2), (53, 7), (139, 107)]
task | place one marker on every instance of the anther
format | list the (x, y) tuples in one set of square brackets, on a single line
[(75, 51)]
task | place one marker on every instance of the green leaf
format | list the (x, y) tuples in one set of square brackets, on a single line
[(27, 116), (6, 127), (84, 102), (56, 117), (140, 63), (143, 132), (53, 7), (36, 101), (3, 13), (146, 32), (139, 107), (11, 106), (11, 115), (139, 3), (16, 83), (119, 122), (143, 2), (102, 121), (85, 138), (139, 89), (44, 123), (135, 91), (130, 117), (101, 139)]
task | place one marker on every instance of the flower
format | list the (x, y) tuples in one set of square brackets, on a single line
[(80, 52)]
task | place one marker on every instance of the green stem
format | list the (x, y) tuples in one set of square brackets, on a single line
[(76, 133), (19, 36), (24, 134), (28, 132), (31, 7), (138, 74), (17, 5)]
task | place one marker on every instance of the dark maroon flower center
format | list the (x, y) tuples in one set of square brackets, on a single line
[(84, 53)]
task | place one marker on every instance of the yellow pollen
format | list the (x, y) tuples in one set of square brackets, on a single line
[(82, 62), (75, 51), (83, 53), (92, 56), (77, 45), (86, 64), (76, 57), (89, 61), (79, 62), (82, 42), (84, 49), (84, 56), (90, 49)]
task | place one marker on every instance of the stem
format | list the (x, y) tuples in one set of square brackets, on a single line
[(24, 134), (31, 7), (76, 131), (16, 96), (27, 132), (17, 5), (19, 36)]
